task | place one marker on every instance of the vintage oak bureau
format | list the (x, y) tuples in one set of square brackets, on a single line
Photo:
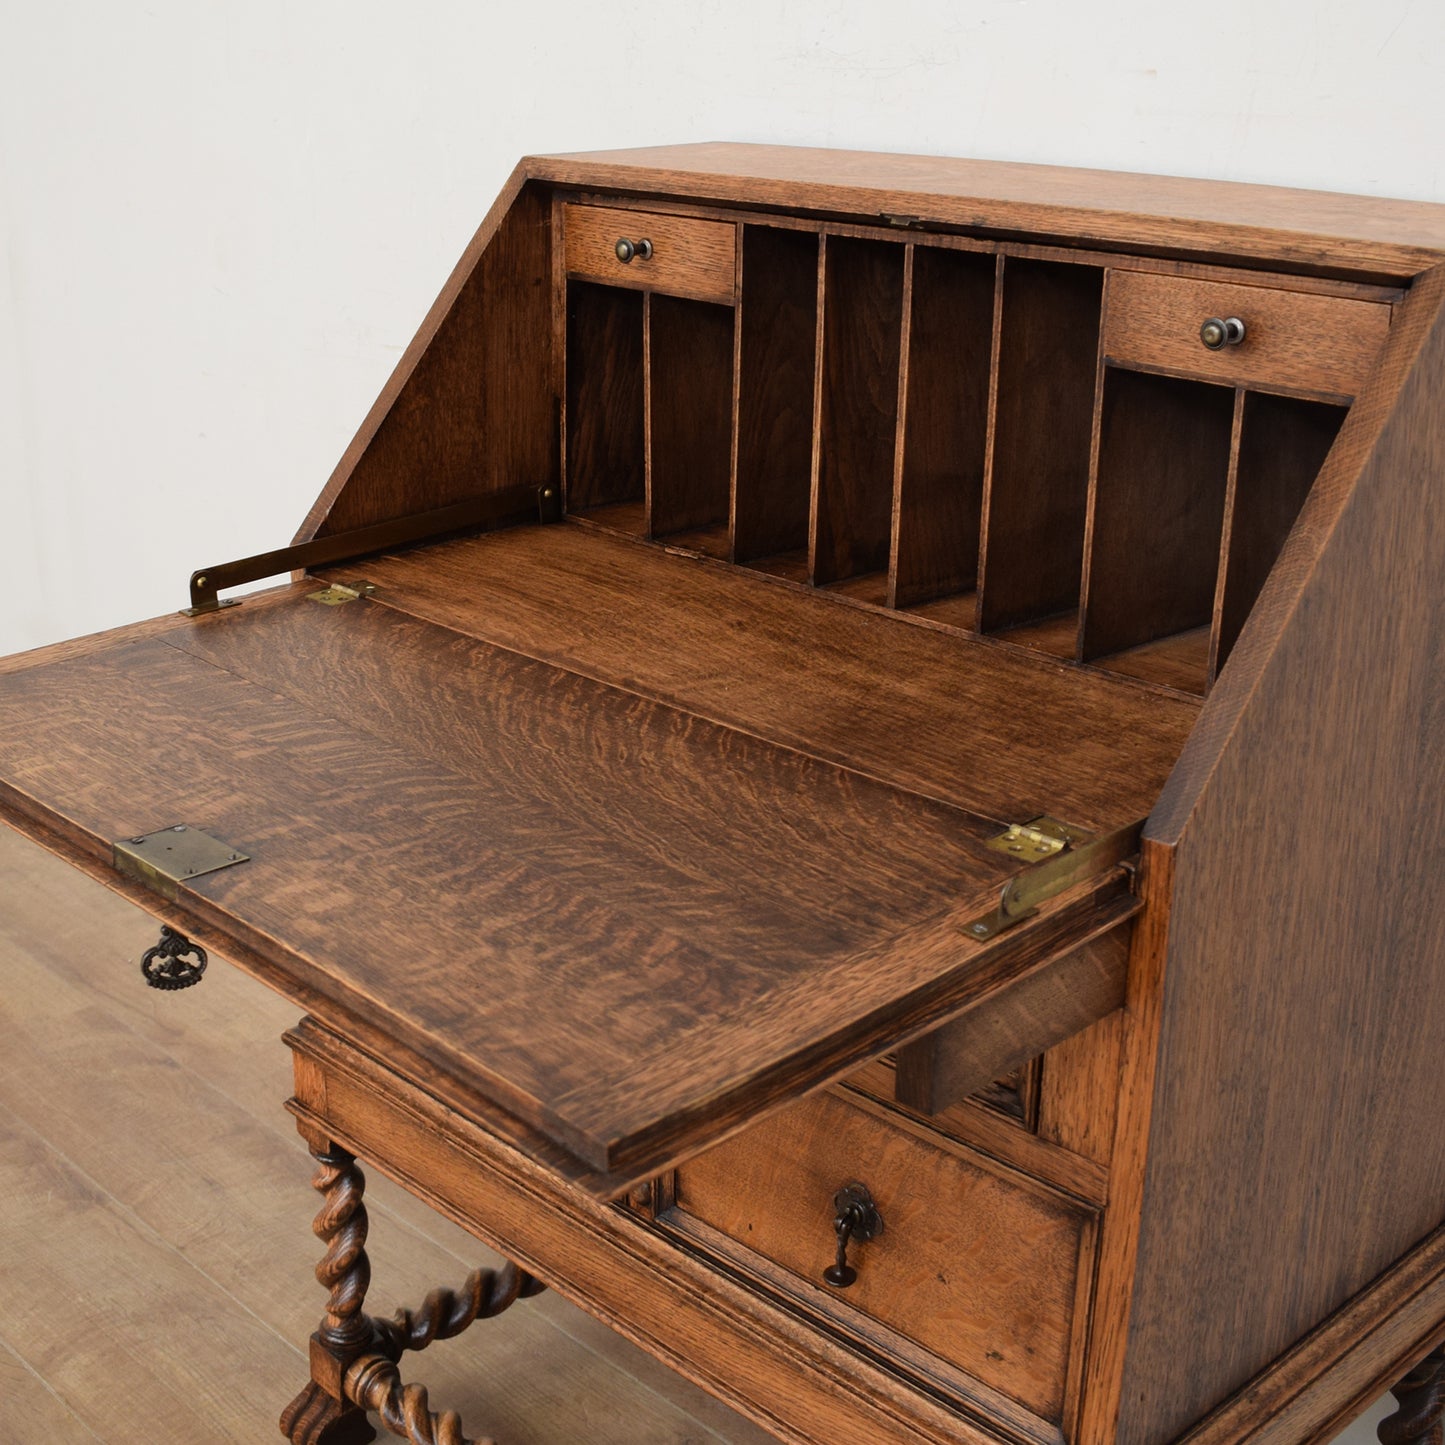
[(850, 773)]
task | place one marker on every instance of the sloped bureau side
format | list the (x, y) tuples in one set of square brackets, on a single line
[(1306, 943), (471, 406)]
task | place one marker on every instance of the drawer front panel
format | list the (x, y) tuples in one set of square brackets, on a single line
[(1292, 341), (689, 257), (980, 1267)]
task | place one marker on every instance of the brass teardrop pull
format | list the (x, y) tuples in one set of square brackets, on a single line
[(856, 1217)]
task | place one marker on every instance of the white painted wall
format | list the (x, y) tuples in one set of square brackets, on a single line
[(222, 222)]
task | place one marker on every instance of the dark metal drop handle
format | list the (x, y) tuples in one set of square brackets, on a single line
[(626, 249), (1221, 331), (165, 966), (856, 1218)]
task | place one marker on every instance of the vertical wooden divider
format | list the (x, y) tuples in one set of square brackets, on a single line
[(1091, 505), (817, 452), (905, 338), (647, 412), (995, 343), (1231, 487), (732, 549), (559, 339)]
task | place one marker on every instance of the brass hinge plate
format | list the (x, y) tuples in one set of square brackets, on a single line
[(171, 856), (336, 594), (1086, 857), (1038, 838)]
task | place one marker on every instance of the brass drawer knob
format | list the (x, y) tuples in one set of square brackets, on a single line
[(626, 249), (856, 1217), (1221, 331)]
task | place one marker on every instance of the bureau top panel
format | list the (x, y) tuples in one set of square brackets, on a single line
[(1317, 231)]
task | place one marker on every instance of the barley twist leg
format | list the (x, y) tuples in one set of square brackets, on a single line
[(1421, 1412), (321, 1414)]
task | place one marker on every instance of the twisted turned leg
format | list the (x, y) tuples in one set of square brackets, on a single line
[(353, 1356), (321, 1414), (1421, 1399)]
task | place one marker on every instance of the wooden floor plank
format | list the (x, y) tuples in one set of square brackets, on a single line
[(34, 1413), (173, 1103), (115, 1321)]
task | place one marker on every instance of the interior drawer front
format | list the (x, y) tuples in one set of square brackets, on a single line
[(1292, 341), (689, 257), (983, 1268)]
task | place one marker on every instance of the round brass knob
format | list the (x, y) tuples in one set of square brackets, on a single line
[(1221, 331), (627, 249)]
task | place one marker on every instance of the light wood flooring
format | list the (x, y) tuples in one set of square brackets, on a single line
[(156, 1256), (156, 1259)]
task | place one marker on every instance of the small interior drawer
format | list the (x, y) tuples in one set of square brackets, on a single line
[(983, 1268), (1293, 341), (688, 257)]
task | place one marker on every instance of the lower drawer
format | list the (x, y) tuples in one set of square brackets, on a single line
[(985, 1269)]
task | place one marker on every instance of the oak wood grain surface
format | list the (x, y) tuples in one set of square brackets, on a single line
[(803, 672), (486, 370), (427, 855), (1320, 230), (689, 257), (1320, 344), (1283, 443), (978, 1265), (1327, 722)]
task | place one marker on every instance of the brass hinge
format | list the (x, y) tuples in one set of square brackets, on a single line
[(338, 593), (508, 506), (165, 859), (1038, 838), (1073, 863)]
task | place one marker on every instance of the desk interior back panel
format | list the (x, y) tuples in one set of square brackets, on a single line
[(939, 503), (690, 377), (606, 441), (1043, 421), (1158, 515), (777, 339), (857, 428), (1283, 444)]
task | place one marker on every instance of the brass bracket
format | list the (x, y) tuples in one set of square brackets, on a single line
[(338, 593), (165, 859), (510, 506), (1038, 838), (1076, 863)]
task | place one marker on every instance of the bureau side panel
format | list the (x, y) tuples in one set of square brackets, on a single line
[(1297, 1143), (471, 407)]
